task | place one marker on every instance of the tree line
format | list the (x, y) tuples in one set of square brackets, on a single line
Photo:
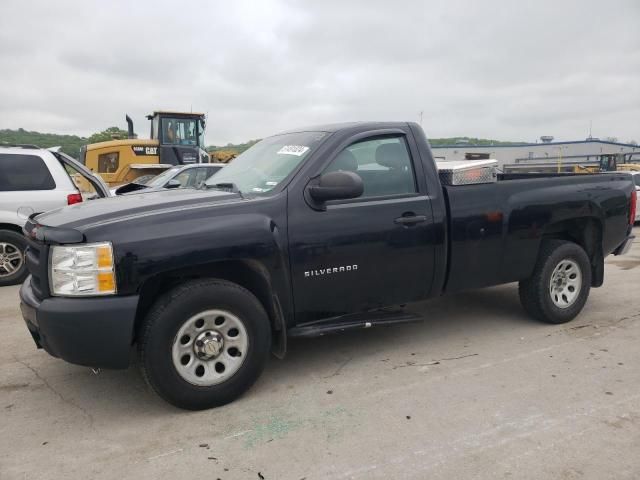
[(70, 144)]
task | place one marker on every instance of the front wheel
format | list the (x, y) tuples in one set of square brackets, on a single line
[(560, 284), (204, 344)]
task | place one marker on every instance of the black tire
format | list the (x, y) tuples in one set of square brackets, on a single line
[(171, 313), (535, 295), (15, 241)]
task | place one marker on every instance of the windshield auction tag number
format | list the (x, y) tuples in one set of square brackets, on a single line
[(297, 150)]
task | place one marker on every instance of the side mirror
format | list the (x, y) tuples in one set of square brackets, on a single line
[(173, 183), (339, 185)]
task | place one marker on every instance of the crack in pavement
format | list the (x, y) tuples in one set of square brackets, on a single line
[(339, 369), (434, 362), (630, 317), (56, 392), (605, 324)]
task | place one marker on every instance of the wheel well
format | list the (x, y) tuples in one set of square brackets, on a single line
[(586, 232), (11, 227), (246, 273)]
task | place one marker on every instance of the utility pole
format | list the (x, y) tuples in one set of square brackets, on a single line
[(421, 112)]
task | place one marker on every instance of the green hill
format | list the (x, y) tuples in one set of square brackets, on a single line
[(71, 143), (468, 141), (241, 147)]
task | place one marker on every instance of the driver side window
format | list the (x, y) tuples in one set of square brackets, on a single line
[(383, 163), (184, 177)]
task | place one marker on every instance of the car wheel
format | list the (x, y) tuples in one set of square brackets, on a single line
[(204, 344), (13, 269), (560, 284)]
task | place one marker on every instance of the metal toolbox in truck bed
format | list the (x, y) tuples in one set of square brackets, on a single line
[(467, 172)]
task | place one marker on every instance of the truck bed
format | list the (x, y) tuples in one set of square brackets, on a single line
[(494, 229)]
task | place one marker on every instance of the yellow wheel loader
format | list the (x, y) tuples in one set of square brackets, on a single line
[(630, 163), (177, 138), (612, 162), (223, 156)]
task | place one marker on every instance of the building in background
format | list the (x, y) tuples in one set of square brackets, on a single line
[(581, 152)]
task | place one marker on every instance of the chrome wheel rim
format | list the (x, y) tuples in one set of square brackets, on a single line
[(11, 259), (565, 283), (210, 347)]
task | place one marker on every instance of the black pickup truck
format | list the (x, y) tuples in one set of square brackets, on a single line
[(308, 232)]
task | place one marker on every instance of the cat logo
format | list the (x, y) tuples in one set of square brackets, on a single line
[(142, 150)]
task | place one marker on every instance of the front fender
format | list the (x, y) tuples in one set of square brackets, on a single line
[(197, 240)]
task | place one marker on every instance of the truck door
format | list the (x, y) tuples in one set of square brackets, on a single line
[(373, 251)]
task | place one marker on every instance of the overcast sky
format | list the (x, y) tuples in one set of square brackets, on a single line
[(503, 70)]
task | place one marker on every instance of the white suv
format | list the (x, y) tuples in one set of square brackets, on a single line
[(34, 180)]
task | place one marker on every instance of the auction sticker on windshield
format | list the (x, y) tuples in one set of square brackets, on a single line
[(297, 150)]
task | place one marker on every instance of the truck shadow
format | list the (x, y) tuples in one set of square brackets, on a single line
[(450, 327), (123, 394), (444, 319)]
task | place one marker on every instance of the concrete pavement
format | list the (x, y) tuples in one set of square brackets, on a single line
[(478, 390)]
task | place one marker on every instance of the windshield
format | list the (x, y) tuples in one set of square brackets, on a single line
[(164, 177), (144, 179), (266, 164), (179, 131)]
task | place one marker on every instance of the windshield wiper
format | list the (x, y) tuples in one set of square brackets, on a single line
[(226, 186)]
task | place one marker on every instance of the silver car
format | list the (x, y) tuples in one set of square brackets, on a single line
[(180, 176)]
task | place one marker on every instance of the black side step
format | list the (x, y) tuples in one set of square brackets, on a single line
[(351, 322)]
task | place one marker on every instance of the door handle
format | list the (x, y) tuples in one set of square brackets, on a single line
[(410, 219)]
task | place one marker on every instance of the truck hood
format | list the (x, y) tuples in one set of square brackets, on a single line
[(86, 214)]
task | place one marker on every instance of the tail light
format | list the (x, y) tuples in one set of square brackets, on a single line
[(632, 207), (73, 198)]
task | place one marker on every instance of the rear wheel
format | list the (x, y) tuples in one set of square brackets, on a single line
[(204, 344), (12, 265), (560, 284)]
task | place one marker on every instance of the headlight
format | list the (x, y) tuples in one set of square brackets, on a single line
[(82, 270)]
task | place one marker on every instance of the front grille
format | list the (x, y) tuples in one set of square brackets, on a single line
[(36, 257)]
